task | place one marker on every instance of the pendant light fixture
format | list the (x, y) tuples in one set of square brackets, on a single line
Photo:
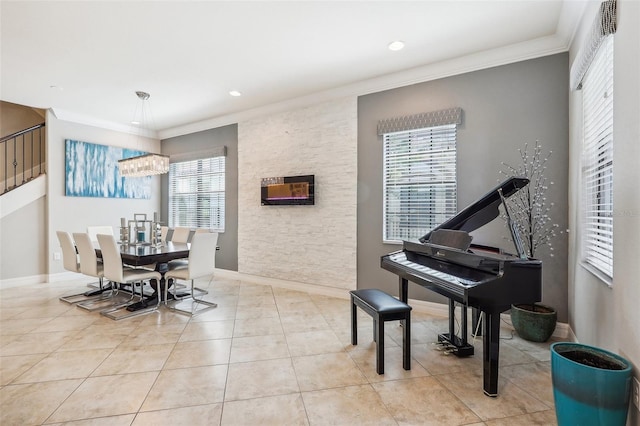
[(147, 164)]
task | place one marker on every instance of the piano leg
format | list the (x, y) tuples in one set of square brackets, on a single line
[(406, 342), (354, 323), (403, 289), (491, 342), (452, 319), (379, 339)]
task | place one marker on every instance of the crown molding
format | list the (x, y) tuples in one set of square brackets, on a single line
[(481, 60), (571, 15), (74, 117)]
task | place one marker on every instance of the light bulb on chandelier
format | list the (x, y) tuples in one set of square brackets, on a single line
[(146, 164)]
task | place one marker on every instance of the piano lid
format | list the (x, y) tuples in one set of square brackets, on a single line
[(482, 211)]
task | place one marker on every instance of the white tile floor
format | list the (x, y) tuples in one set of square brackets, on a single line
[(265, 356)]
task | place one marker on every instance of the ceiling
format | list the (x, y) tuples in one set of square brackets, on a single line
[(85, 60)]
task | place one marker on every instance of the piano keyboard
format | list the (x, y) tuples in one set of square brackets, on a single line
[(452, 282)]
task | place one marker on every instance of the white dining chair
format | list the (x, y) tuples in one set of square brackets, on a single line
[(201, 264), (180, 234), (70, 263), (91, 266), (69, 254), (93, 231), (179, 263), (88, 259), (116, 272)]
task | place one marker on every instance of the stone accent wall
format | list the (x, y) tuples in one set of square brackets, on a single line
[(309, 244)]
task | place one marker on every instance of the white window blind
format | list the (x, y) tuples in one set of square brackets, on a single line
[(420, 189), (597, 162), (196, 193)]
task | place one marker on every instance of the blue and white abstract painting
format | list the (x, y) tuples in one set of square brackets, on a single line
[(92, 171)]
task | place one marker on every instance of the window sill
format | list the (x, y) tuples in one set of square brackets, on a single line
[(605, 279)]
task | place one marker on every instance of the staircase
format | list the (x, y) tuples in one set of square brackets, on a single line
[(22, 157), (23, 195)]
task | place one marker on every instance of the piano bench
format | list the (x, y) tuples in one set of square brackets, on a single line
[(382, 307)]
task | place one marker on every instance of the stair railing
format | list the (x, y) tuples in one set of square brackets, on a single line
[(22, 157)]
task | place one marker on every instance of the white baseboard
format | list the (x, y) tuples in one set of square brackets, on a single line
[(562, 331), (571, 337), (20, 281), (40, 279), (340, 293), (432, 308), (66, 276)]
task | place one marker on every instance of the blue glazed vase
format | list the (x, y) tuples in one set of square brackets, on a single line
[(589, 395)]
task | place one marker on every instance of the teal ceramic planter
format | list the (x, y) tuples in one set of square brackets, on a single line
[(589, 395), (535, 322)]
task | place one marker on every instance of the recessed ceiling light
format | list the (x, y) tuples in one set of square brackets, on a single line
[(396, 45), (235, 93)]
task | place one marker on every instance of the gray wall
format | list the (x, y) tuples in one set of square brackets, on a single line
[(503, 108), (23, 252), (197, 145)]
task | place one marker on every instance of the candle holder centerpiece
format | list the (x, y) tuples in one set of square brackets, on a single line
[(141, 231)]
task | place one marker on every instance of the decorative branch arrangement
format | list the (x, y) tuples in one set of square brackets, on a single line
[(529, 207)]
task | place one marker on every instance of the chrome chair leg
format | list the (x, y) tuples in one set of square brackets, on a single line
[(94, 294), (121, 312), (195, 302), (112, 300)]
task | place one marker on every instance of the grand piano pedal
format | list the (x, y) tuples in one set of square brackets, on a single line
[(445, 348), (459, 348)]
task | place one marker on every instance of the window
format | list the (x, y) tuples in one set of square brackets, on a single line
[(196, 193), (420, 190), (597, 162)]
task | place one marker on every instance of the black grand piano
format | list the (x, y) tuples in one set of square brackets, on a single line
[(481, 277)]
